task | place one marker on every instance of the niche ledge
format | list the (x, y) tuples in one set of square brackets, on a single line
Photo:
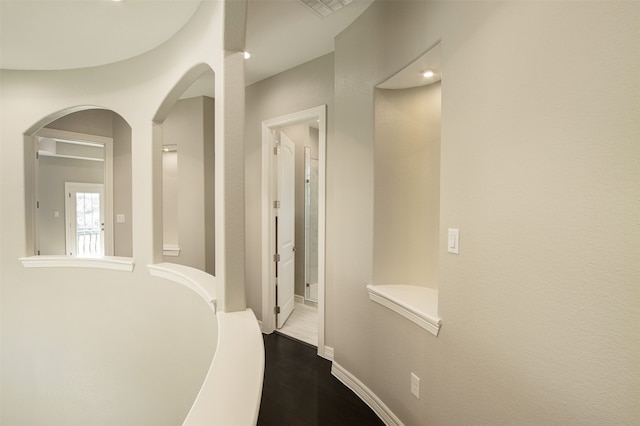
[(417, 304), (106, 262), (171, 250)]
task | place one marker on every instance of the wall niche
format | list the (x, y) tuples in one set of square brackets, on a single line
[(407, 191), (188, 181)]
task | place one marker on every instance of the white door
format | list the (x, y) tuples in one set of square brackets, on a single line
[(285, 229), (84, 215)]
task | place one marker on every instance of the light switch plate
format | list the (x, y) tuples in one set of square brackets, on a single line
[(119, 218), (415, 385), (453, 241)]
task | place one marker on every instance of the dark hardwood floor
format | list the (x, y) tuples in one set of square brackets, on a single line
[(299, 389)]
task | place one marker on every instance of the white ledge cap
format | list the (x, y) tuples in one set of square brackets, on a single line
[(415, 303), (202, 283), (56, 261)]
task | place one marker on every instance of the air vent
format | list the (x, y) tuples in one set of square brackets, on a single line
[(324, 8)]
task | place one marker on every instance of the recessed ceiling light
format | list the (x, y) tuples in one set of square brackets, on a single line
[(428, 74), (247, 55)]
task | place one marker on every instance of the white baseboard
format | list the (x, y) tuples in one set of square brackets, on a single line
[(328, 353), (298, 298), (366, 395)]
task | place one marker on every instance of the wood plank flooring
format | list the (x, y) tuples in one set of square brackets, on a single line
[(299, 389)]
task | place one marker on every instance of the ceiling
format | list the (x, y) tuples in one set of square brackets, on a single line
[(64, 34)]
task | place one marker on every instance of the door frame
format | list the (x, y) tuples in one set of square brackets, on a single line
[(268, 214), (285, 183)]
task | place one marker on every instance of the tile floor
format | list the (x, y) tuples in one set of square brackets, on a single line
[(302, 324)]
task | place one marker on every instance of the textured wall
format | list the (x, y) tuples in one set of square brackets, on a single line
[(540, 172)]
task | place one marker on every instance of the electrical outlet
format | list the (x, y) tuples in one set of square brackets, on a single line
[(415, 385)]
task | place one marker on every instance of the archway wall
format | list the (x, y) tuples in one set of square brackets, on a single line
[(136, 89), (68, 333)]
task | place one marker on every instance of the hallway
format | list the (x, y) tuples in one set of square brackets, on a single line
[(299, 389)]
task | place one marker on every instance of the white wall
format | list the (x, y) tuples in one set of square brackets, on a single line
[(539, 171), (75, 343)]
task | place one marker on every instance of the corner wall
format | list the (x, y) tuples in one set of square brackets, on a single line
[(540, 172)]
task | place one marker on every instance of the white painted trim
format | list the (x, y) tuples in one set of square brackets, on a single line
[(366, 395), (74, 137), (268, 292), (298, 298), (231, 392), (417, 304), (69, 157), (105, 262), (328, 353), (170, 250), (200, 282), (268, 271)]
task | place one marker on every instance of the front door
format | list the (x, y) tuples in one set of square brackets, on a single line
[(285, 229)]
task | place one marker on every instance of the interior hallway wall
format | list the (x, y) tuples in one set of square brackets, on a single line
[(185, 127), (540, 172), (306, 86)]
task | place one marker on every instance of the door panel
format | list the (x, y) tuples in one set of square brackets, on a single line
[(286, 228)]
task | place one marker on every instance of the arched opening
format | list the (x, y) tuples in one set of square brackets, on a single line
[(184, 135), (78, 184)]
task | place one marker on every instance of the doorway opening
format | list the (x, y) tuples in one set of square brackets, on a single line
[(285, 255)]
